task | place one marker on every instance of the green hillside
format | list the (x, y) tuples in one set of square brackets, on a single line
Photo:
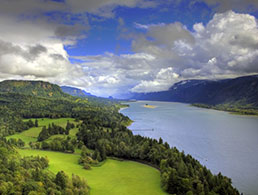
[(35, 88)]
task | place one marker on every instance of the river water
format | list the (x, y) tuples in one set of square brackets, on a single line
[(221, 141)]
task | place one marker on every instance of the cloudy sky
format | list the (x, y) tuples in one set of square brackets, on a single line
[(113, 47)]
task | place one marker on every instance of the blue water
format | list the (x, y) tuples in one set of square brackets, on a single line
[(221, 141)]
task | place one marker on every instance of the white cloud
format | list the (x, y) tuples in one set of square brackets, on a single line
[(163, 81), (113, 74), (230, 39), (164, 53), (226, 46), (30, 52)]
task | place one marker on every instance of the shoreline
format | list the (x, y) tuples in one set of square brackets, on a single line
[(127, 123), (239, 112)]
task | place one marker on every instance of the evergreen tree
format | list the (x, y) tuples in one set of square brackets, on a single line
[(61, 179), (36, 123)]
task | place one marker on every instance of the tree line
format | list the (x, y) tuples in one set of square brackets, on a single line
[(54, 129)]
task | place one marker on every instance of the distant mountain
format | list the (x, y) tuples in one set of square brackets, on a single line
[(34, 88), (240, 91), (75, 92)]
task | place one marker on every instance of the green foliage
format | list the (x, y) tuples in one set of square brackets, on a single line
[(59, 144), (180, 173), (53, 130), (27, 175), (16, 142), (36, 123)]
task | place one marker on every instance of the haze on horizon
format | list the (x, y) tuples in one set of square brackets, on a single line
[(110, 47)]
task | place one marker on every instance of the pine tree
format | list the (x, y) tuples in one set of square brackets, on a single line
[(61, 179), (36, 123)]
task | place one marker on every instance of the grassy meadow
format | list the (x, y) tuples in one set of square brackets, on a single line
[(114, 177), (31, 134)]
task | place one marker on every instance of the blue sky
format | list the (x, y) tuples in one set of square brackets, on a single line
[(104, 35), (111, 47)]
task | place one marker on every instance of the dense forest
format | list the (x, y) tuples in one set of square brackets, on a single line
[(102, 133)]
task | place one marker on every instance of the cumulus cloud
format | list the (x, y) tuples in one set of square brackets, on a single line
[(115, 74), (226, 46), (37, 60), (163, 80), (30, 52), (231, 39)]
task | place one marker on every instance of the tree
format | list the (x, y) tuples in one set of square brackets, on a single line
[(96, 156), (36, 123), (45, 145), (61, 179), (20, 143), (84, 151), (102, 152), (30, 123), (160, 141), (43, 135)]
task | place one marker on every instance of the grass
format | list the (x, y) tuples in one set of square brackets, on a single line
[(31, 134), (113, 177)]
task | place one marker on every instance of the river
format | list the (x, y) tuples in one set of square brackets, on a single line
[(221, 141)]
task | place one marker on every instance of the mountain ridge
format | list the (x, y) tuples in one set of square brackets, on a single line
[(237, 91)]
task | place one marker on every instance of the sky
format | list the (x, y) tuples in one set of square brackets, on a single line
[(117, 47)]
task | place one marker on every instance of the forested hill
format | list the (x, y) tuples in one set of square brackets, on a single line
[(241, 91), (102, 129), (75, 91), (34, 88)]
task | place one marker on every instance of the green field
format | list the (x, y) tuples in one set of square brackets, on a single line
[(32, 134), (112, 178)]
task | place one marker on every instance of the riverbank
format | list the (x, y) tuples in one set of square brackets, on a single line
[(129, 121), (235, 111)]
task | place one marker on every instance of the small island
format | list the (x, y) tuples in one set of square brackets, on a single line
[(149, 106)]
